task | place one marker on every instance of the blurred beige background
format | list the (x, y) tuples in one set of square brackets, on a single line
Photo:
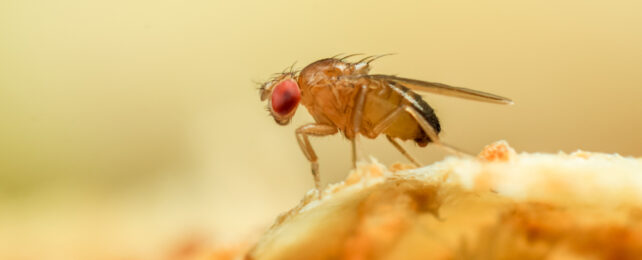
[(128, 125)]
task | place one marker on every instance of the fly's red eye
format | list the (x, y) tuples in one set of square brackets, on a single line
[(285, 97)]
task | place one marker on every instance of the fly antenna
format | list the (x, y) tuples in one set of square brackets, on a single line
[(259, 83)]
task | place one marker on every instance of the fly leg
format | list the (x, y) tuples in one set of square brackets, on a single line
[(432, 134), (403, 151), (353, 142), (385, 123), (356, 121), (302, 134)]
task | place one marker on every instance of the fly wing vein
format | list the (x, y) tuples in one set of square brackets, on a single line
[(443, 89)]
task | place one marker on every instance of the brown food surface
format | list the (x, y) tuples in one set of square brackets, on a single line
[(500, 205)]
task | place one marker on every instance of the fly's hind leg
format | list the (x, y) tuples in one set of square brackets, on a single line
[(432, 134), (384, 124), (302, 134), (402, 151)]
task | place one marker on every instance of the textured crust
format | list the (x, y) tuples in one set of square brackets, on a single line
[(501, 205)]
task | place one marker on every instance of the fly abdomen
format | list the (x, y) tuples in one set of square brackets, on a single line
[(385, 100)]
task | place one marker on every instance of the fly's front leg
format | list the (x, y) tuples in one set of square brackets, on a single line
[(357, 115), (432, 134), (302, 134)]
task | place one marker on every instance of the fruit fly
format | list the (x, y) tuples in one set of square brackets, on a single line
[(342, 97)]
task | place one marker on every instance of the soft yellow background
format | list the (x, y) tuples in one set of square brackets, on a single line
[(128, 125)]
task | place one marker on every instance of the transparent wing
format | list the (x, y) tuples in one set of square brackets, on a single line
[(443, 89)]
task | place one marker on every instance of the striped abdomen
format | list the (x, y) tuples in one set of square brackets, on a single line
[(382, 99)]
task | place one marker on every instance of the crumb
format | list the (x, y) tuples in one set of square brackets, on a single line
[(498, 151)]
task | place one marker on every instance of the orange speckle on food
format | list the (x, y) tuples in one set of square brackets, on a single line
[(400, 167), (498, 151)]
